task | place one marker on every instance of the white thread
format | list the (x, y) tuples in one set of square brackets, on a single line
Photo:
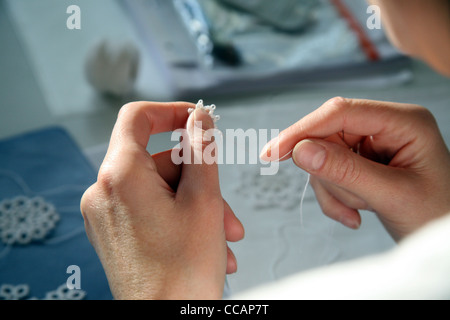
[(331, 242), (27, 191), (302, 199), (65, 237), (5, 251), (17, 179), (64, 188)]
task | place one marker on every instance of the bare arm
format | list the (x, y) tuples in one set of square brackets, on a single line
[(419, 28)]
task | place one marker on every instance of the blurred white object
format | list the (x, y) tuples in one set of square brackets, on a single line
[(416, 270), (112, 66)]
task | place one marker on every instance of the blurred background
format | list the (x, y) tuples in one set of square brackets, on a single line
[(184, 50), (72, 68)]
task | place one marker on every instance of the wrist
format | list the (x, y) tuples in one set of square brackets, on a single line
[(163, 285)]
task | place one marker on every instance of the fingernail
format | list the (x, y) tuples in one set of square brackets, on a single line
[(203, 120), (350, 223), (309, 155), (267, 154), (263, 156)]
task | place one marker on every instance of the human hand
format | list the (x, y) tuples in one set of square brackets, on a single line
[(160, 230), (386, 157)]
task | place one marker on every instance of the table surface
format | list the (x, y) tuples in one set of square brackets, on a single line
[(268, 253)]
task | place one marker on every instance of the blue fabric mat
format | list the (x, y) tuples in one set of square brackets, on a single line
[(47, 163)]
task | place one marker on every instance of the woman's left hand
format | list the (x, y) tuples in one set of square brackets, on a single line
[(160, 230)]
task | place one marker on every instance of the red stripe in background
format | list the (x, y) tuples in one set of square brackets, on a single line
[(364, 41)]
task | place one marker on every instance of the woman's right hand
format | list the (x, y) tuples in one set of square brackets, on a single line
[(386, 157)]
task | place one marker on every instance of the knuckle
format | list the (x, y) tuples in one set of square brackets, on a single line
[(112, 181), (418, 114), (88, 202), (119, 169), (423, 118), (126, 108), (132, 109), (424, 115), (337, 107), (337, 103), (107, 179)]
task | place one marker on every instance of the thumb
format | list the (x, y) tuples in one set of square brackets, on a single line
[(200, 171), (369, 180)]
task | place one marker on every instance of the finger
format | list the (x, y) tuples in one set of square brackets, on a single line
[(342, 115), (337, 165), (234, 230), (138, 120), (167, 169), (200, 175), (170, 172), (335, 209), (231, 262), (344, 196)]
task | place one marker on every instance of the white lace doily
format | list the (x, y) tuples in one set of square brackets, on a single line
[(22, 291), (24, 220), (283, 190), (64, 293), (10, 292)]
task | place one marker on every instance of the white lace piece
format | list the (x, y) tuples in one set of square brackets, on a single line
[(209, 109), (64, 293), (10, 292), (22, 291), (283, 190), (24, 220)]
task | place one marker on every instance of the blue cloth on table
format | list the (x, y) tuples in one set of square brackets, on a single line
[(48, 163)]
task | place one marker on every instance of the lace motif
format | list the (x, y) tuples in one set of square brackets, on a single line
[(21, 292), (283, 190), (208, 109), (24, 220)]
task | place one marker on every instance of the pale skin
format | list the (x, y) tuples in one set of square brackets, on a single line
[(396, 164), (161, 230), (419, 29), (147, 219)]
